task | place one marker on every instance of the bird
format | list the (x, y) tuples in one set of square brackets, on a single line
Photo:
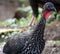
[(34, 42), (18, 15), (35, 4)]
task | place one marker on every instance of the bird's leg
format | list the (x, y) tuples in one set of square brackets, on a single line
[(32, 23)]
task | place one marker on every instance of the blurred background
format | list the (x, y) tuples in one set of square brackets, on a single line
[(15, 16), (8, 8)]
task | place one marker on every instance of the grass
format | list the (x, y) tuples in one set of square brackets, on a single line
[(57, 41)]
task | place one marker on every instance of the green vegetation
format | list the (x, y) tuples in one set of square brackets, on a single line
[(22, 1), (14, 23), (57, 41)]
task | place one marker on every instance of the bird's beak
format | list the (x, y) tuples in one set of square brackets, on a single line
[(53, 9)]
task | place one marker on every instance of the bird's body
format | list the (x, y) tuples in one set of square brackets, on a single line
[(22, 44), (30, 44)]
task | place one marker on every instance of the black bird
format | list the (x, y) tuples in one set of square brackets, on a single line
[(35, 5), (33, 43)]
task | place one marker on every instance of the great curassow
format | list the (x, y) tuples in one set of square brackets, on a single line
[(35, 5), (33, 43)]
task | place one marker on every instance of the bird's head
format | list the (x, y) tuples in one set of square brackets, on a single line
[(47, 9)]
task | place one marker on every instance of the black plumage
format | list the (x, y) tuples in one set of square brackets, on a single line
[(29, 44)]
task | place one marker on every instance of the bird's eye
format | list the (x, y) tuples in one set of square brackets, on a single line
[(48, 6)]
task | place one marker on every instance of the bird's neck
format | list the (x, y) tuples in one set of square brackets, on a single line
[(46, 14), (40, 28)]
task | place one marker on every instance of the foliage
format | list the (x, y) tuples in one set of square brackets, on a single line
[(58, 17), (14, 23), (8, 34), (57, 41), (22, 1)]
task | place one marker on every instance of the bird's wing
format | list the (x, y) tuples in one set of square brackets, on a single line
[(18, 42)]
